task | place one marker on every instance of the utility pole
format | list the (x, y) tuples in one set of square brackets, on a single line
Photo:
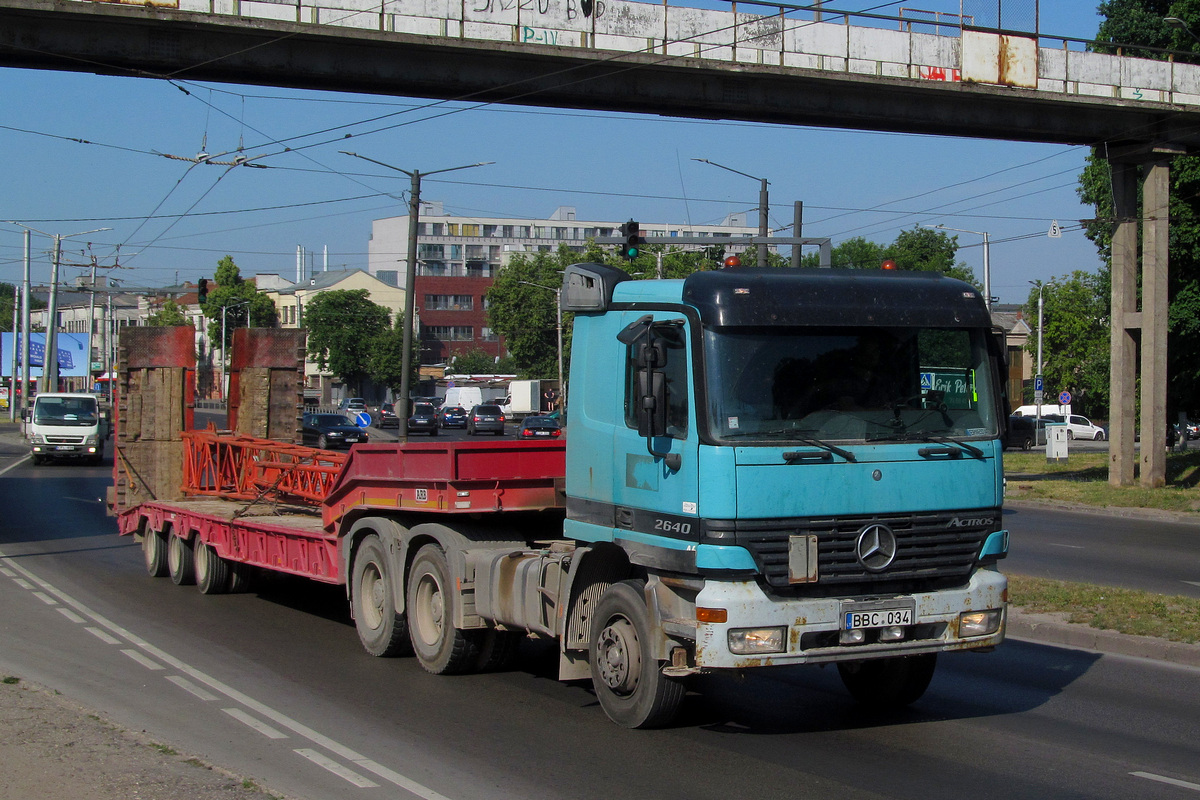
[(410, 274), (763, 207)]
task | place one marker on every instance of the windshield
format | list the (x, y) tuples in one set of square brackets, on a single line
[(65, 411), (848, 385)]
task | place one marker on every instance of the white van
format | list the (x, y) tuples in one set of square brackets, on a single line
[(65, 425), (466, 396)]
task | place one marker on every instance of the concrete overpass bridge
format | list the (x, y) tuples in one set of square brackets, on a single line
[(774, 63)]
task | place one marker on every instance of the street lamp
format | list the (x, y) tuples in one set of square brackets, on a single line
[(987, 268), (1176, 22), (562, 389), (410, 272), (762, 207)]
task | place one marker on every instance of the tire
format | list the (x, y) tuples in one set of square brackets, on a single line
[(38, 460), (441, 648), (1027, 443), (1099, 436), (433, 432), (888, 683), (500, 432), (154, 553), (322, 442), (180, 562), (1070, 434), (629, 684), (381, 630), (498, 650), (212, 572)]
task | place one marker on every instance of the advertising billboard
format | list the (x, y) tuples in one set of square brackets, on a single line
[(72, 354)]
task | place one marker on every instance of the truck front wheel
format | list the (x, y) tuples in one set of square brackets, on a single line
[(888, 683), (381, 630), (628, 681), (440, 647), (180, 562)]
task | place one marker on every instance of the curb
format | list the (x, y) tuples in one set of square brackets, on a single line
[(1127, 512), (1054, 629)]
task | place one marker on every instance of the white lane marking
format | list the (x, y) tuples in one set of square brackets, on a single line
[(102, 635), (258, 725), (1068, 546), (1192, 583), (1150, 776), (303, 731), (143, 660), (188, 686), (45, 598), (8, 573), (71, 615), (23, 584), (337, 769), (16, 463)]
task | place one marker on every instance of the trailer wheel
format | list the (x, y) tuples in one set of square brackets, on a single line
[(180, 562), (628, 682), (381, 630), (440, 647), (212, 571), (154, 552), (888, 683)]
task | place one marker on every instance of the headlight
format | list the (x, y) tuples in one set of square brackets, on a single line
[(36, 438), (979, 623), (754, 641)]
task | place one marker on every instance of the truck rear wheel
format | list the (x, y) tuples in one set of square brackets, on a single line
[(180, 562), (381, 630), (154, 552), (498, 650), (440, 647), (628, 681), (212, 571), (888, 683)]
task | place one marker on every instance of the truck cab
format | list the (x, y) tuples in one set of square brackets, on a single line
[(66, 425), (805, 462)]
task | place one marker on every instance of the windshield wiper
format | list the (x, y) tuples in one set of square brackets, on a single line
[(792, 456), (928, 451)]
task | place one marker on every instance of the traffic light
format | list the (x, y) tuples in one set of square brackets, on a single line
[(633, 240), (202, 291)]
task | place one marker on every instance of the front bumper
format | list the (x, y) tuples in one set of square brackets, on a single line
[(811, 626), (66, 450)]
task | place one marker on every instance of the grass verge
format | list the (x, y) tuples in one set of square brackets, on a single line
[(1174, 618), (1084, 479)]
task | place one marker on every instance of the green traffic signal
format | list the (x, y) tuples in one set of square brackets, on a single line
[(633, 240)]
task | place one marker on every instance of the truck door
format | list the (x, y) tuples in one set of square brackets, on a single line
[(655, 471)]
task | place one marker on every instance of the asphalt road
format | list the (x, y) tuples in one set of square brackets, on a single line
[(273, 684)]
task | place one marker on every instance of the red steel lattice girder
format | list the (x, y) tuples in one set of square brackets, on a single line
[(237, 467)]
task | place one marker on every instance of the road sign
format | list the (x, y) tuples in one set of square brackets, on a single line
[(1064, 398), (1055, 231), (362, 419), (1037, 383)]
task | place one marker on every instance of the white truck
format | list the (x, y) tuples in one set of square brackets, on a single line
[(524, 397), (66, 425)]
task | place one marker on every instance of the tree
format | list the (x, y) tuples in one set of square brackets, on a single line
[(385, 362), (521, 308), (1074, 339), (235, 303), (474, 362), (1140, 22), (921, 249), (343, 326), (168, 316)]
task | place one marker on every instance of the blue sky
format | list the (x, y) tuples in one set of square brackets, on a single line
[(172, 220)]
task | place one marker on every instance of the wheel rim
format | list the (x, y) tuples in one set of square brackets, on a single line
[(322, 441), (431, 610), (173, 555), (619, 657), (201, 562), (373, 593), (150, 548)]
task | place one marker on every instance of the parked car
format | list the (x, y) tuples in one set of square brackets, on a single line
[(387, 417), (330, 431), (1079, 427), (1193, 430), (452, 417), (424, 418), (539, 428), (486, 417), (351, 406), (1025, 432)]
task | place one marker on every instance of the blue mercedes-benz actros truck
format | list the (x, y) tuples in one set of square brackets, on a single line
[(774, 467)]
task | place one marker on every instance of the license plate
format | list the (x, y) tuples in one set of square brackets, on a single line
[(882, 616), (351, 439), (64, 447), (541, 433)]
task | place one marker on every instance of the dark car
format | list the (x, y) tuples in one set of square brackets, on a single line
[(330, 431), (1023, 434), (486, 417), (387, 417), (424, 418), (539, 428), (452, 417)]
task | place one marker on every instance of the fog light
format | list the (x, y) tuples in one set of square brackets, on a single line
[(752, 641), (979, 623), (893, 633), (852, 636)]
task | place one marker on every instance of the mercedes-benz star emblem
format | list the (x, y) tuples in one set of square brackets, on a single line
[(876, 547)]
